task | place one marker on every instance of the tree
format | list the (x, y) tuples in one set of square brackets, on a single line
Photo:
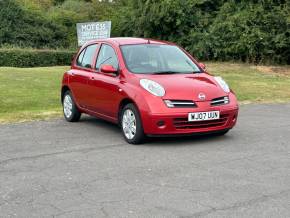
[(21, 27)]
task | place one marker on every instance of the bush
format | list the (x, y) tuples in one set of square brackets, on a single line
[(256, 31), (34, 58), (29, 28)]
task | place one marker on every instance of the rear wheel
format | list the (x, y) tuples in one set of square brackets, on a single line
[(131, 125), (70, 111)]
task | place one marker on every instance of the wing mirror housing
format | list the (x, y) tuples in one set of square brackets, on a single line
[(202, 65), (108, 69)]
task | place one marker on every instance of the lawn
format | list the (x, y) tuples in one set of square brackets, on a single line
[(34, 93), (30, 93), (255, 84)]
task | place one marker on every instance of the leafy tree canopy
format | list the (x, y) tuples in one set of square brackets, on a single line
[(254, 31)]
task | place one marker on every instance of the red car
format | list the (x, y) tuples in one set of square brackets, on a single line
[(148, 87)]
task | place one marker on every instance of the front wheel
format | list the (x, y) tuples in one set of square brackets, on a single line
[(70, 111), (131, 125)]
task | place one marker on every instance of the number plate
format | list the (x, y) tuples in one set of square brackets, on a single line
[(200, 116)]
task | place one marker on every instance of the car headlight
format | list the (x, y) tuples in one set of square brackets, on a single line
[(222, 84), (152, 87)]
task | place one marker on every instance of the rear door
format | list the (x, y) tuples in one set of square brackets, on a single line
[(81, 74), (105, 87)]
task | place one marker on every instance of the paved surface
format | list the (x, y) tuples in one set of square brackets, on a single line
[(58, 169)]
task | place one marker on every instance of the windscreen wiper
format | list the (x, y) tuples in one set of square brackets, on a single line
[(166, 72)]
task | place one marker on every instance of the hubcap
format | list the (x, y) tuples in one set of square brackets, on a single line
[(67, 106), (129, 124)]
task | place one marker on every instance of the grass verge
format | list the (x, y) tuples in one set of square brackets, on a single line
[(34, 93), (255, 84), (30, 93)]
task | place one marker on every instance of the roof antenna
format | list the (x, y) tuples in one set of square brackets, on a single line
[(148, 41)]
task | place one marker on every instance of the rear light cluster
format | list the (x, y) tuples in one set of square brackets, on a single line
[(183, 123)]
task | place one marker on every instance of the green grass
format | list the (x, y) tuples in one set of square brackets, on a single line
[(34, 93), (255, 84), (30, 93)]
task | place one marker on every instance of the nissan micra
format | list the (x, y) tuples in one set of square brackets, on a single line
[(149, 88)]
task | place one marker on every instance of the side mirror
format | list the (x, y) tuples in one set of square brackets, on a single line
[(108, 69), (202, 65)]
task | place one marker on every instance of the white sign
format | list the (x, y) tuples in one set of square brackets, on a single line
[(93, 30)]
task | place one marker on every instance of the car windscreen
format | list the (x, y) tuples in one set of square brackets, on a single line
[(157, 59)]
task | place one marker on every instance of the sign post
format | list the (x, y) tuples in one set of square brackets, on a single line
[(93, 30)]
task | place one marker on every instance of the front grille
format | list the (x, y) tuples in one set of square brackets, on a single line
[(183, 123), (220, 101), (180, 104)]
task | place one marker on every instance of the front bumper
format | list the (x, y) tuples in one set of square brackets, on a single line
[(178, 124), (158, 119), (175, 121)]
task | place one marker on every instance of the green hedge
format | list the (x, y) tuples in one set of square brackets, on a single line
[(256, 31), (34, 58)]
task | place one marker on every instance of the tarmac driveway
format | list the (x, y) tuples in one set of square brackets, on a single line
[(59, 169)]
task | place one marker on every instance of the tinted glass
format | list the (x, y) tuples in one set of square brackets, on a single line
[(89, 55), (80, 58), (150, 58), (108, 56)]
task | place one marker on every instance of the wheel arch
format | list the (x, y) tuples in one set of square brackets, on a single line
[(64, 89), (122, 104)]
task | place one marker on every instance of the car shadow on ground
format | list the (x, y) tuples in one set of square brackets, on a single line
[(187, 140), (96, 122), (158, 141)]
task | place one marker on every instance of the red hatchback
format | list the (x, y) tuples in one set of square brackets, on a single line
[(149, 87)]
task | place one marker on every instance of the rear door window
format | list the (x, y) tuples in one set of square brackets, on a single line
[(86, 57)]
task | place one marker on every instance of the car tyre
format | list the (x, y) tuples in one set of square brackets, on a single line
[(131, 125), (70, 111)]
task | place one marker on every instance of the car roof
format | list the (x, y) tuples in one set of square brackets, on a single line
[(131, 41)]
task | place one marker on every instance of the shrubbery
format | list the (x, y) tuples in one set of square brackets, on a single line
[(34, 58), (28, 28), (251, 31)]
